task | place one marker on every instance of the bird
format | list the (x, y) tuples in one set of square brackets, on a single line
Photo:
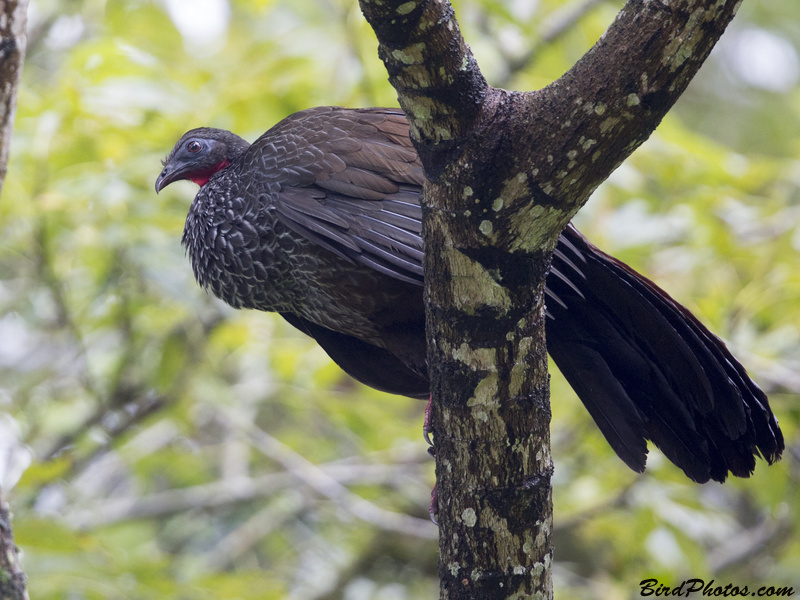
[(319, 220)]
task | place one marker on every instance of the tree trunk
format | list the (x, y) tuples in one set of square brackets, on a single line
[(12, 51), (12, 578), (506, 172)]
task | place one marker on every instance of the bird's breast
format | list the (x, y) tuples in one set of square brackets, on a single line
[(249, 259)]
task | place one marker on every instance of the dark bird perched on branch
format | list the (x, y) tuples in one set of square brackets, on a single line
[(319, 220)]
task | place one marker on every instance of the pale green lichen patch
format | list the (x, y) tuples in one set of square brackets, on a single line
[(421, 111), (410, 55), (469, 517), (486, 228), (406, 8), (473, 286), (453, 567), (608, 124), (681, 48), (475, 358), (543, 534), (633, 100), (684, 53), (522, 592), (528, 547), (422, 107), (442, 133), (531, 546), (527, 227), (515, 187), (485, 395), (519, 371), (537, 569), (497, 205)]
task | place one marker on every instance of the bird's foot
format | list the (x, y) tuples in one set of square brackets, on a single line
[(433, 509), (426, 425)]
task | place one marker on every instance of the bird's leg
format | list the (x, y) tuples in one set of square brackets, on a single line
[(426, 426), (433, 509)]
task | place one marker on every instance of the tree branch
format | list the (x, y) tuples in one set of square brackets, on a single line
[(439, 84), (555, 25), (227, 492), (327, 486)]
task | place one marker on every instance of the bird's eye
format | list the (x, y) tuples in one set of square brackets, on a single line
[(194, 146)]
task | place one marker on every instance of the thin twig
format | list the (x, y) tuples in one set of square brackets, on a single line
[(780, 375), (554, 26), (324, 484), (751, 543), (226, 492), (243, 538)]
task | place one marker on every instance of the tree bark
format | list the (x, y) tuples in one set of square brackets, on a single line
[(12, 52), (13, 18), (506, 172), (12, 578)]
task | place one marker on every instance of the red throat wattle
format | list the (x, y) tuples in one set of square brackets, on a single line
[(201, 178)]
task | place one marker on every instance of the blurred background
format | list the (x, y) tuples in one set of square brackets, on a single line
[(156, 444)]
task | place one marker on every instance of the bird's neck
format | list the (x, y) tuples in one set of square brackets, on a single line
[(201, 178)]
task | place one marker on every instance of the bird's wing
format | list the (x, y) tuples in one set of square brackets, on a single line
[(349, 181), (369, 364)]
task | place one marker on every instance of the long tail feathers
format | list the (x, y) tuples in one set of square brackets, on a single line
[(646, 368)]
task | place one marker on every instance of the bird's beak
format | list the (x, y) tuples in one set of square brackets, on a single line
[(168, 175)]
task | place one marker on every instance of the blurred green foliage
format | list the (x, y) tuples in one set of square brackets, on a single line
[(124, 388)]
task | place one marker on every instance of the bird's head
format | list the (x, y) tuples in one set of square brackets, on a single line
[(199, 154)]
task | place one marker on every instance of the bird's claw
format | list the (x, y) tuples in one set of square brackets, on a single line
[(433, 509), (426, 424)]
